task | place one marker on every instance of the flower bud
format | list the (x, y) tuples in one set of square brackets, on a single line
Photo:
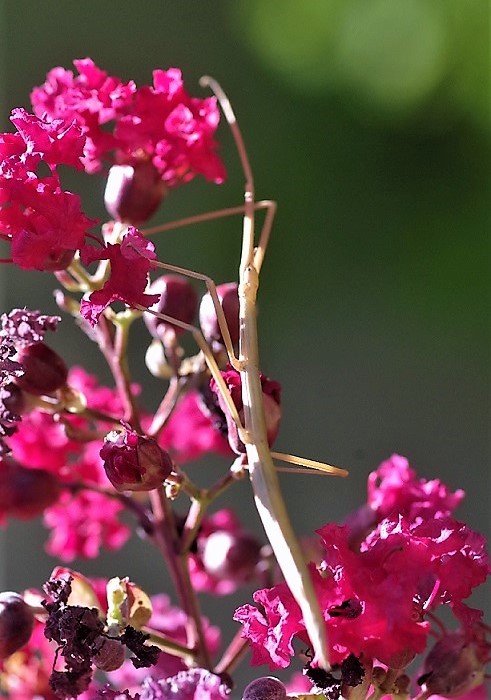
[(134, 462), (44, 370), (271, 402), (25, 493), (229, 300), (452, 667), (16, 623), (134, 192), (230, 555), (178, 299), (266, 688), (110, 656)]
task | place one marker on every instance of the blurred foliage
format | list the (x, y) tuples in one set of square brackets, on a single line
[(398, 59)]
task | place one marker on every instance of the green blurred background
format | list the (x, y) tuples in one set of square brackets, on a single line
[(368, 122)]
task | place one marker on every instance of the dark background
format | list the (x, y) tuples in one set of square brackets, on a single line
[(367, 120)]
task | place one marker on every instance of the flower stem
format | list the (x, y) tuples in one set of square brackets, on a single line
[(167, 540), (233, 654)]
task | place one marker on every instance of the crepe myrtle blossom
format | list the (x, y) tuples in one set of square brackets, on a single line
[(375, 598), (82, 523), (154, 137), (43, 223), (192, 684), (130, 262), (395, 488)]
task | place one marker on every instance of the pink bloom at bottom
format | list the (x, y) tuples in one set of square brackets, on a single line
[(82, 524), (195, 684)]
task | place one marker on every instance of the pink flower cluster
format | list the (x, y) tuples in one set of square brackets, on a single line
[(43, 223), (81, 520), (160, 123), (130, 264), (376, 596)]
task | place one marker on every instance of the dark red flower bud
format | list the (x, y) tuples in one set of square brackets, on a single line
[(134, 462), (230, 555), (229, 299), (271, 401), (453, 667), (44, 370), (178, 299), (134, 192), (110, 656), (16, 623), (25, 493)]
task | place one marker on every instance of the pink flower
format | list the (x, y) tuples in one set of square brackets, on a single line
[(174, 130), (41, 443), (374, 601), (459, 558), (91, 99), (190, 433), (56, 142), (160, 123), (130, 263), (395, 489), (44, 224), (83, 523)]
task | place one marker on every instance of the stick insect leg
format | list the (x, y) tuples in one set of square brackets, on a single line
[(210, 361), (222, 321), (206, 216), (259, 253)]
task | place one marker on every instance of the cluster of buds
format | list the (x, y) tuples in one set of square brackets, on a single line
[(354, 608)]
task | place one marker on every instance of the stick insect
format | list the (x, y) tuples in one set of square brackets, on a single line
[(262, 470)]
